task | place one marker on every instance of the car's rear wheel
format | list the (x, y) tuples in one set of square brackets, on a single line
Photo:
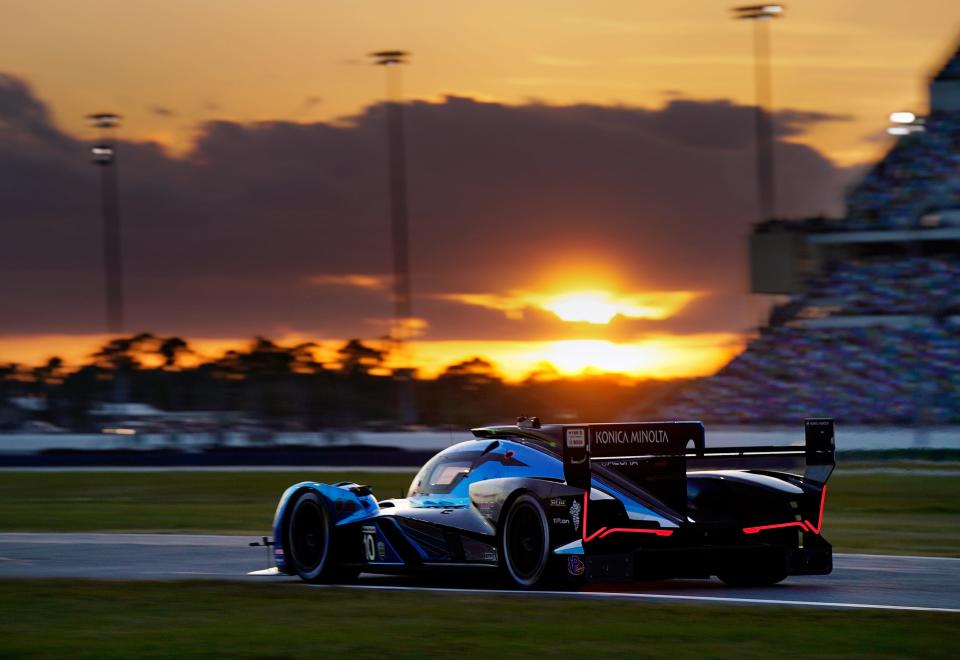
[(310, 541), (525, 542)]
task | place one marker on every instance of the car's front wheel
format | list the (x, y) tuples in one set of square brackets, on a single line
[(525, 542), (310, 541)]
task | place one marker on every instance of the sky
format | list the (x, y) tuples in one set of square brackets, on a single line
[(580, 174)]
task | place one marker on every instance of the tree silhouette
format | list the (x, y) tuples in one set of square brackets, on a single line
[(356, 358), (471, 375), (123, 352), (171, 349)]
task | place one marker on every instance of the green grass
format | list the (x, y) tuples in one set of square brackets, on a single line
[(50, 619), (893, 514), (223, 502), (904, 513)]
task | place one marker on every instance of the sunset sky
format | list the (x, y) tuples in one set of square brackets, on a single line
[(580, 173)]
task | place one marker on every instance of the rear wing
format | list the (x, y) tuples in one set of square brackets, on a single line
[(814, 460), (657, 455)]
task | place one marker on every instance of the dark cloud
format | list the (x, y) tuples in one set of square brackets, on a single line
[(24, 119), (311, 102), (162, 111), (225, 241)]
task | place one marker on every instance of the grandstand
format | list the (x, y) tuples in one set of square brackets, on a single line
[(869, 329)]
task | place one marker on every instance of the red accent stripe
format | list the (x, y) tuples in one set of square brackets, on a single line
[(586, 499), (603, 531), (760, 528), (804, 524), (658, 532)]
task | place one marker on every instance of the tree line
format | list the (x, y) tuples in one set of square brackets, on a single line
[(287, 388)]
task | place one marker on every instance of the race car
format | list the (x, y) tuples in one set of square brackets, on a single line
[(538, 504)]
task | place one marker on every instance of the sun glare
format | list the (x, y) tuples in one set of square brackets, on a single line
[(599, 307), (589, 306), (577, 356)]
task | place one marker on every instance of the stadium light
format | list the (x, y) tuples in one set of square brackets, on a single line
[(103, 120), (902, 117), (761, 15), (906, 123), (388, 57), (749, 12), (104, 155)]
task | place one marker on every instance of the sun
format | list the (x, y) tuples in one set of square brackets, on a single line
[(585, 306)]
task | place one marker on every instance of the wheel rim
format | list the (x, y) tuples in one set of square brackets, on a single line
[(308, 533), (525, 536)]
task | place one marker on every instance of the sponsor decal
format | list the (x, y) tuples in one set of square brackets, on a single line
[(278, 552), (576, 438), (368, 529), (561, 521), (558, 501), (490, 556), (575, 565), (381, 550), (575, 515), (487, 508), (638, 436)]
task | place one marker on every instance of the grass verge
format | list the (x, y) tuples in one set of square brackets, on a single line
[(906, 513), (197, 619)]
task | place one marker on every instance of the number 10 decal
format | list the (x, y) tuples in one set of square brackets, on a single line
[(370, 543)]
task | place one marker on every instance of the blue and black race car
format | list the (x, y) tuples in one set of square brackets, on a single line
[(538, 504)]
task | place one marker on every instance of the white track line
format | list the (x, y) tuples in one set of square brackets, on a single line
[(605, 595)]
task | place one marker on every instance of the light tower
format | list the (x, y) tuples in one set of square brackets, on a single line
[(105, 156), (761, 15), (391, 60)]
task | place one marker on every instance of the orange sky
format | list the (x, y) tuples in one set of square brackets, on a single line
[(301, 59), (169, 65)]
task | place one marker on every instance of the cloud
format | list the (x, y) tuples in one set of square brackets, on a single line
[(372, 282), (276, 225), (161, 111), (23, 118), (597, 307), (310, 103)]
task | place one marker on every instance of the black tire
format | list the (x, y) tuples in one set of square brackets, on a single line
[(525, 543), (310, 542)]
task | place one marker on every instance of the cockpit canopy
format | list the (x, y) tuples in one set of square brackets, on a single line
[(452, 470)]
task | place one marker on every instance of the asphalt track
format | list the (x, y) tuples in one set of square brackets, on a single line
[(858, 581)]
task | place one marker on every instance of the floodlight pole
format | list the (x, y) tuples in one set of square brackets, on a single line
[(761, 15), (396, 148), (391, 60), (104, 156)]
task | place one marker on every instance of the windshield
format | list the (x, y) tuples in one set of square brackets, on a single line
[(441, 474)]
